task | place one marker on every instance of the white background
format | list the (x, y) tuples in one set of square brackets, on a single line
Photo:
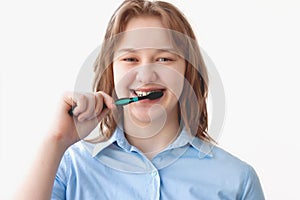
[(254, 44)]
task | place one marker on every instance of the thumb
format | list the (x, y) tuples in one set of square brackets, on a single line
[(108, 101)]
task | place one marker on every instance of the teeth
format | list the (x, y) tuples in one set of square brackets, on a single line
[(142, 93)]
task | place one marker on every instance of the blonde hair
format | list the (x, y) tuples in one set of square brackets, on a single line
[(194, 116)]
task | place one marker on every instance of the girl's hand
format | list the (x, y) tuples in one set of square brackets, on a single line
[(87, 114)]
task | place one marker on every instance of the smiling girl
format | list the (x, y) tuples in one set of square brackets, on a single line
[(150, 149)]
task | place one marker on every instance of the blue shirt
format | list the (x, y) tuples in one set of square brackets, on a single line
[(189, 169)]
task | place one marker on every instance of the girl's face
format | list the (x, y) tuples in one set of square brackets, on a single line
[(145, 60)]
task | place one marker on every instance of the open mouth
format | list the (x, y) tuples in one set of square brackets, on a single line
[(142, 93)]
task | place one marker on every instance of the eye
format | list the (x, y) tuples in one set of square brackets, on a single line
[(130, 59), (164, 59)]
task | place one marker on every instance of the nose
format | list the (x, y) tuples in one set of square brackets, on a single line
[(146, 74)]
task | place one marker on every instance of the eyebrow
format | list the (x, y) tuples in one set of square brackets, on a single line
[(132, 50)]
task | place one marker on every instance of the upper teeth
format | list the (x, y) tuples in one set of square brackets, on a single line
[(142, 93)]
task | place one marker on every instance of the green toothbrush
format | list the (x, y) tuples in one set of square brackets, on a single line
[(125, 101)]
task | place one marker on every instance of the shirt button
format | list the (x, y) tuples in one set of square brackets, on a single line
[(154, 173)]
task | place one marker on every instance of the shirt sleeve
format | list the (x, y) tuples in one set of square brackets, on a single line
[(60, 182), (252, 187)]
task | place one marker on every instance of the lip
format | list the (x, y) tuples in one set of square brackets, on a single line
[(145, 89)]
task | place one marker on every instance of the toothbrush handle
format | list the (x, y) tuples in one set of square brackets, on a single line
[(125, 101), (71, 110), (119, 102)]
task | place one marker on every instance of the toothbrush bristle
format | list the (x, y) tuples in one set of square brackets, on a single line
[(155, 95)]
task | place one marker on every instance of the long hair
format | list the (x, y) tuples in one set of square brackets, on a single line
[(194, 117)]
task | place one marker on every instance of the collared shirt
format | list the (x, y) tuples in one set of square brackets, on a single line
[(189, 168)]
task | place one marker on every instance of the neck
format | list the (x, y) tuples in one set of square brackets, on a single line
[(153, 137)]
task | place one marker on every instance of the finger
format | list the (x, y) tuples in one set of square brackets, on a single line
[(68, 98), (99, 103), (81, 104), (89, 112), (96, 107), (108, 100), (68, 102), (103, 114)]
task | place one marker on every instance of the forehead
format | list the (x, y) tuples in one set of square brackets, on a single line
[(145, 32), (145, 38)]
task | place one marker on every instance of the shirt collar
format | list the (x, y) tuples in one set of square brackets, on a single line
[(204, 148), (118, 136), (185, 138)]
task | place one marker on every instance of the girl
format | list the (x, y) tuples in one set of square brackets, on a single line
[(150, 149)]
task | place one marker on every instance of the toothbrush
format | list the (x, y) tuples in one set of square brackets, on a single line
[(125, 101)]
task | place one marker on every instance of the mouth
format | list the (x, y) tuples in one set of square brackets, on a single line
[(144, 92)]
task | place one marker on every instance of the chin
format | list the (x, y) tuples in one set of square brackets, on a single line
[(146, 115)]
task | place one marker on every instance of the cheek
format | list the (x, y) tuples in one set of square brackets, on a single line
[(174, 79), (123, 78)]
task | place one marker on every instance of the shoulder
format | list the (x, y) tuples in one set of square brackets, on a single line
[(216, 157), (221, 155), (231, 163), (238, 171), (219, 165)]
